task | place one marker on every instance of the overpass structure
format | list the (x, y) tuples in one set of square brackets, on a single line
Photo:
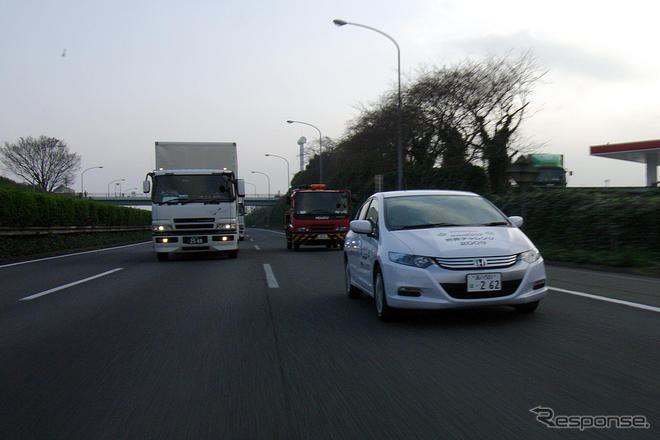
[(257, 200)]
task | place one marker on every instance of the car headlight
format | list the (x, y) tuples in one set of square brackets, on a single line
[(410, 260), (161, 228), (530, 256)]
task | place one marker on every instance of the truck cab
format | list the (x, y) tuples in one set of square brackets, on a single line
[(317, 216)]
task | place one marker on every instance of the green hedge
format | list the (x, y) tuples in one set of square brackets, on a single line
[(618, 228), (20, 208)]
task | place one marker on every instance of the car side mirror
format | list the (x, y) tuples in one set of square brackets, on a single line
[(361, 226), (516, 220)]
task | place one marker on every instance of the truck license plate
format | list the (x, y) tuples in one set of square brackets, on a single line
[(322, 236), (484, 282), (194, 240)]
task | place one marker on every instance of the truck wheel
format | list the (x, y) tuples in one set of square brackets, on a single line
[(233, 254), (162, 256), (288, 244), (296, 247)]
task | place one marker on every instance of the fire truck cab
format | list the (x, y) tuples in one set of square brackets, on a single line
[(317, 216)]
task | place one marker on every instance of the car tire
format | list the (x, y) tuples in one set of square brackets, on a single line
[(351, 290), (385, 313), (527, 307), (162, 256)]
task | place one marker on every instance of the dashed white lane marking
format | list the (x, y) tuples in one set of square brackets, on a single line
[(73, 255), (55, 289), (270, 277), (612, 300), (256, 246)]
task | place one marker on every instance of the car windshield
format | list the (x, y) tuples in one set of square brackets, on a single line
[(321, 203), (207, 188), (427, 211)]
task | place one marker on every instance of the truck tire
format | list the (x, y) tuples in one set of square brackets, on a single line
[(232, 254)]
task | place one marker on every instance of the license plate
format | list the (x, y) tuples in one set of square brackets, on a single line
[(484, 282), (322, 236), (194, 240)]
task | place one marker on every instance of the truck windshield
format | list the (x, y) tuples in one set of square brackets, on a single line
[(316, 203), (551, 176), (201, 188)]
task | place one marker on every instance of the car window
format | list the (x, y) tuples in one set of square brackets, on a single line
[(372, 213), (410, 212), (362, 213)]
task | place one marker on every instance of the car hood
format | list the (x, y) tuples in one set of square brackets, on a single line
[(466, 241)]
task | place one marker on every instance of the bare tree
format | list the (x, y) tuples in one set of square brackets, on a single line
[(44, 162)]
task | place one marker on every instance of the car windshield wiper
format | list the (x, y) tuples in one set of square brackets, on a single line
[(428, 225), (496, 224)]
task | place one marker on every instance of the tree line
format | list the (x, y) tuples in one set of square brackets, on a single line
[(460, 129)]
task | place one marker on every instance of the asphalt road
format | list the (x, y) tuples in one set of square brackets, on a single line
[(203, 348)]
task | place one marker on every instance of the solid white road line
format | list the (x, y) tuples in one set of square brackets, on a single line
[(72, 255), (55, 289), (604, 298), (270, 277)]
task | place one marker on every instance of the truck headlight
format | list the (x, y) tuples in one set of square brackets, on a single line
[(530, 256), (226, 226), (302, 229), (410, 260), (342, 228), (161, 228)]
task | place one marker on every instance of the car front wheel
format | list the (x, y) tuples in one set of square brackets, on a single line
[(385, 313)]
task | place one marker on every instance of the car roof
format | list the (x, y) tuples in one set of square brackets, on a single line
[(425, 192)]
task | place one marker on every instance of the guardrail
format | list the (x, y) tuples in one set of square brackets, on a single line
[(34, 231)]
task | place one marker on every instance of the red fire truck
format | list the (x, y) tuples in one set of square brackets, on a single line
[(317, 216)]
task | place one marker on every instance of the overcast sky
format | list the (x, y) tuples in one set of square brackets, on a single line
[(139, 71)]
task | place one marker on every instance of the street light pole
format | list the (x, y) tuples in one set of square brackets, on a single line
[(399, 146), (254, 187), (290, 121), (82, 184), (288, 175), (267, 177), (109, 183)]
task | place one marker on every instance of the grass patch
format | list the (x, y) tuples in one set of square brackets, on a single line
[(23, 248)]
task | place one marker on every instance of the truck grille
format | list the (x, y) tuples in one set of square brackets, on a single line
[(193, 223), (476, 263), (322, 227)]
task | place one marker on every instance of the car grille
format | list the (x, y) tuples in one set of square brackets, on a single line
[(459, 290), (476, 263)]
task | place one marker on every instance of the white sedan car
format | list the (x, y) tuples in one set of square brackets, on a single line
[(431, 249)]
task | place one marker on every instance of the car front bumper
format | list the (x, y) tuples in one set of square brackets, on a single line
[(438, 288)]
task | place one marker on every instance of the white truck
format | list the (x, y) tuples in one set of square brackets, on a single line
[(194, 199)]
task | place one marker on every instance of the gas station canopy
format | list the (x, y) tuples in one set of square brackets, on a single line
[(647, 152)]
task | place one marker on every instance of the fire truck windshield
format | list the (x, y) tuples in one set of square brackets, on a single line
[(315, 203)]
